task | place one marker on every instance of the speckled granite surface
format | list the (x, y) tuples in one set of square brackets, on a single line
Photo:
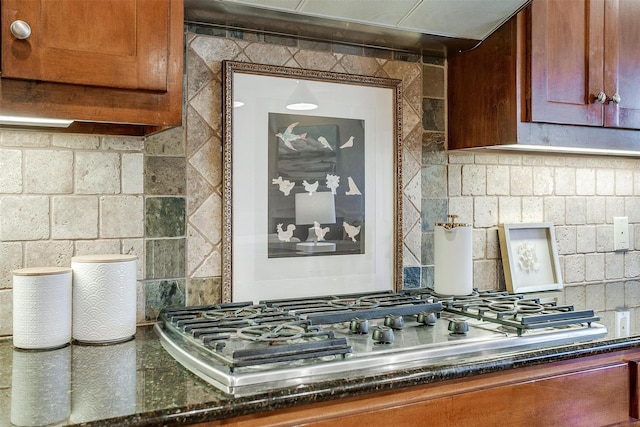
[(138, 383)]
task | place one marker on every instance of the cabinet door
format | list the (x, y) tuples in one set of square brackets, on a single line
[(109, 43), (622, 63), (566, 61)]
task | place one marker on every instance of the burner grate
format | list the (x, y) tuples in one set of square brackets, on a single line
[(290, 352)]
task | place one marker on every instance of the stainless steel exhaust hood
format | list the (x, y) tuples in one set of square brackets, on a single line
[(440, 26)]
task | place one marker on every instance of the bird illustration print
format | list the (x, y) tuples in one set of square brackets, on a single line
[(322, 140), (351, 230), (347, 144), (285, 235), (320, 231), (288, 136), (284, 185), (310, 188), (353, 188)]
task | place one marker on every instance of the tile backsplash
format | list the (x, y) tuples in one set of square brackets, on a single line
[(161, 197)]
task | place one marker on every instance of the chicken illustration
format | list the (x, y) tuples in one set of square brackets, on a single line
[(320, 232), (285, 236), (284, 185), (348, 144), (288, 136), (351, 230), (353, 188), (311, 188), (324, 142)]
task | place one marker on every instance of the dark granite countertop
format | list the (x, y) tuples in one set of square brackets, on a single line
[(138, 383)]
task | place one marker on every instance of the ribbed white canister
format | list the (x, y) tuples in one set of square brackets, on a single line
[(104, 298), (41, 307)]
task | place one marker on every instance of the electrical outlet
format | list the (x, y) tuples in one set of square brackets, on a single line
[(620, 233), (622, 323)]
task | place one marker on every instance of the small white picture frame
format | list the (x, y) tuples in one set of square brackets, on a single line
[(530, 257)]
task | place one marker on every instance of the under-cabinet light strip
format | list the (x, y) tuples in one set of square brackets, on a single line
[(34, 121)]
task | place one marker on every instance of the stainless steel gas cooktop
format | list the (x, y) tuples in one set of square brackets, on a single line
[(244, 348)]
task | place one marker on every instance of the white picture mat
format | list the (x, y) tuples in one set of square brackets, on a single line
[(532, 257), (257, 277)]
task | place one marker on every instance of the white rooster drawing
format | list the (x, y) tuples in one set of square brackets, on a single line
[(288, 136), (310, 188), (284, 185), (320, 232), (285, 236), (351, 230)]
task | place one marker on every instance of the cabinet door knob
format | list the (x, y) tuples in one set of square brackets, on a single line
[(20, 29), (602, 98), (616, 98)]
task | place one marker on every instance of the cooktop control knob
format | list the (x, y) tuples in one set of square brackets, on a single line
[(394, 321), (359, 326), (426, 318), (458, 326), (382, 335)]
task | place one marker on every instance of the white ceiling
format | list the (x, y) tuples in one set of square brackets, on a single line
[(470, 19)]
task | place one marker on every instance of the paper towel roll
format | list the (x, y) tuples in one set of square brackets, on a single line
[(41, 307), (104, 298), (40, 387), (104, 381), (453, 263)]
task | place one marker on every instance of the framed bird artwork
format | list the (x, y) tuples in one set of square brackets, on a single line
[(310, 197)]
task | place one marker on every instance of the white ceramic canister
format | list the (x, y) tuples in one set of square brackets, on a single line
[(104, 381), (40, 387), (42, 307), (453, 262), (104, 298)]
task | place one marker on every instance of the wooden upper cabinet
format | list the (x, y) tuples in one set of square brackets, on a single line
[(113, 66), (566, 61), (543, 70), (622, 62), (112, 43), (580, 50)]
